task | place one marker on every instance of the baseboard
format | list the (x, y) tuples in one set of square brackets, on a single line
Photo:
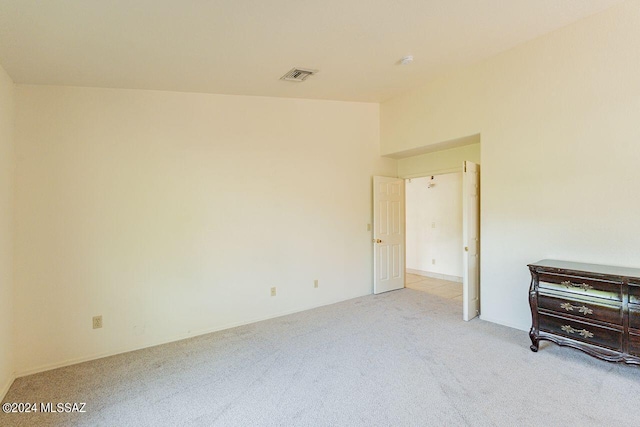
[(69, 362), (435, 275), (5, 389)]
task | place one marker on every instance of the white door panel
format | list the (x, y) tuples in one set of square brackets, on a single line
[(388, 234)]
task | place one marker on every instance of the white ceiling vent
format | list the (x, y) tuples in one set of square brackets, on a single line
[(298, 74)]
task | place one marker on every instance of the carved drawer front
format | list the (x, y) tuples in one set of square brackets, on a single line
[(580, 331), (634, 344), (634, 292), (585, 286), (580, 308), (634, 316)]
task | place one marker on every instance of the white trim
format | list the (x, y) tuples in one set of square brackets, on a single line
[(5, 389), (435, 275), (69, 362)]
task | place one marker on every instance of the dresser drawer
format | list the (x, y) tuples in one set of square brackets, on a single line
[(607, 289), (581, 331), (634, 293), (588, 309), (634, 316), (634, 344)]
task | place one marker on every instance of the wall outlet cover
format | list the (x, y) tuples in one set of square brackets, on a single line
[(97, 322)]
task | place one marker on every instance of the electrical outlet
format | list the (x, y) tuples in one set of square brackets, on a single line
[(433, 262), (97, 322), (368, 227), (433, 225), (273, 291), (315, 283)]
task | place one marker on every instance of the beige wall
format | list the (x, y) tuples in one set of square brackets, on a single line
[(438, 162), (558, 118), (7, 165), (173, 214), (434, 224)]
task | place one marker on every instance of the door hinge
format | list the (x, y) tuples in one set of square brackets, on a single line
[(465, 166)]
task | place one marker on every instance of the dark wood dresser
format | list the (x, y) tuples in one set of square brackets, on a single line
[(594, 308)]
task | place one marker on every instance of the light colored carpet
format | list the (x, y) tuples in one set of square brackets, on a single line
[(402, 358), (439, 287)]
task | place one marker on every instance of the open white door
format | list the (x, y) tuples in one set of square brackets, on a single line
[(471, 240), (388, 234)]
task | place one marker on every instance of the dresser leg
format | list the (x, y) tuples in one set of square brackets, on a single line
[(534, 341)]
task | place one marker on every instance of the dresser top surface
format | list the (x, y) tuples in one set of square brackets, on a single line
[(588, 268)]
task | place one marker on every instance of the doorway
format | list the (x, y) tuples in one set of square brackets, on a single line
[(389, 237), (434, 235)]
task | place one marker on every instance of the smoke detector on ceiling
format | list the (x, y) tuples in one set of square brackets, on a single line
[(298, 74), (406, 60)]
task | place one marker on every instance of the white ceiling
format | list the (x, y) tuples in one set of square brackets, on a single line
[(244, 46)]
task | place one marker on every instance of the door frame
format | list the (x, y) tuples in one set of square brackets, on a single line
[(445, 172)]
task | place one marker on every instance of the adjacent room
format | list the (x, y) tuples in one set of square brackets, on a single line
[(434, 234), (273, 213)]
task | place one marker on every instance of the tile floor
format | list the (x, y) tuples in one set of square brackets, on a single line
[(439, 287)]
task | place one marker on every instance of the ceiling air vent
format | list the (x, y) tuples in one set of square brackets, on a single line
[(298, 74)]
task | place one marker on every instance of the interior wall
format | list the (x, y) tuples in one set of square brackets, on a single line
[(434, 225), (558, 118), (7, 165), (173, 214), (438, 162)]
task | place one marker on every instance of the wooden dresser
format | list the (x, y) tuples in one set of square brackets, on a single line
[(594, 308)]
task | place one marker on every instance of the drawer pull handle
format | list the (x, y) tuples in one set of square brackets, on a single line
[(582, 286), (584, 310), (568, 329)]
